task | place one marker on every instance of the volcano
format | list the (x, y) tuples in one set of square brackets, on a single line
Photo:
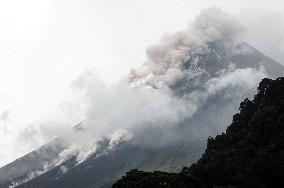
[(106, 165)]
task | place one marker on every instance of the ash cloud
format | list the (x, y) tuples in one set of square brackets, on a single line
[(166, 59)]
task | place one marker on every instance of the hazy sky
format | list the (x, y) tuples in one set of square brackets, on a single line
[(45, 45)]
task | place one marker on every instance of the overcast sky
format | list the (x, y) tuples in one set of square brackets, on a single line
[(45, 45)]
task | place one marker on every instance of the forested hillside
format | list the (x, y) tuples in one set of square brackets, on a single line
[(249, 154)]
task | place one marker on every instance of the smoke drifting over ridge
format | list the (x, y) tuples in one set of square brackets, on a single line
[(150, 96), (115, 111), (166, 59)]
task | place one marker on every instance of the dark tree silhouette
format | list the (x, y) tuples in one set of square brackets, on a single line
[(250, 154)]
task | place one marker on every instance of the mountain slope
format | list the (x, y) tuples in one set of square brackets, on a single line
[(249, 154), (103, 170), (22, 168)]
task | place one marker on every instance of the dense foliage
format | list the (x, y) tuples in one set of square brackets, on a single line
[(249, 154)]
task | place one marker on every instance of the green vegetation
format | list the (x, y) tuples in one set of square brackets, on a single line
[(250, 153)]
